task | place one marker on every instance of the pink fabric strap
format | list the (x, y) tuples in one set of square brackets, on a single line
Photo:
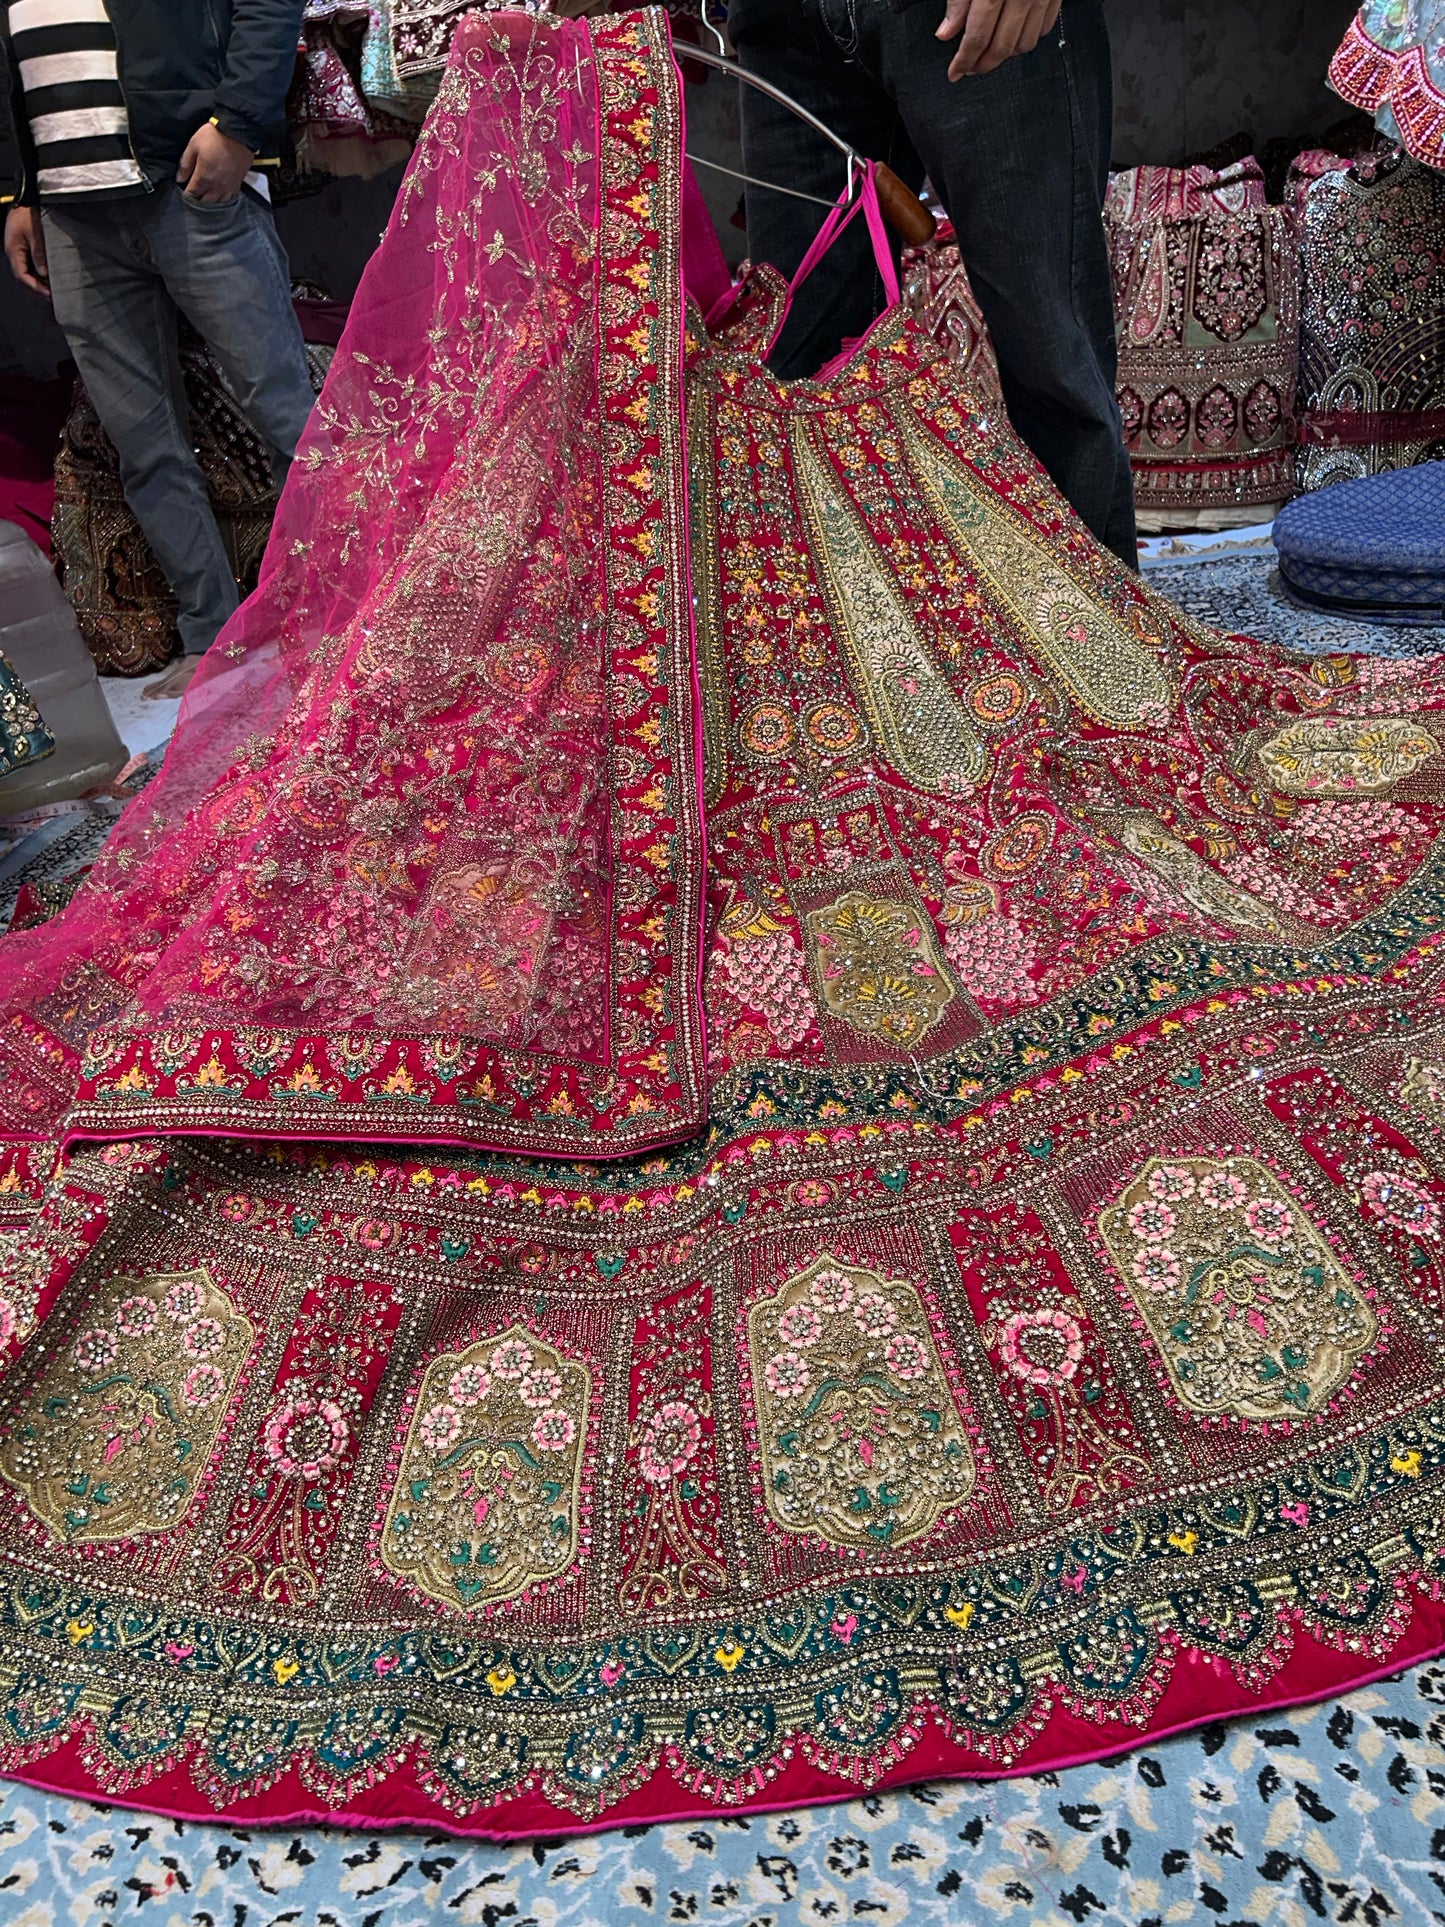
[(836, 221)]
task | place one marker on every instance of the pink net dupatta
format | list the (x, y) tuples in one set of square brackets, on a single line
[(426, 858)]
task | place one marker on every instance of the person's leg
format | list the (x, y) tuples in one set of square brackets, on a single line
[(225, 269), (803, 50), (121, 327), (1020, 159)]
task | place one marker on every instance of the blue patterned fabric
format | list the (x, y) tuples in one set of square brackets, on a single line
[(1324, 1816), (1376, 544)]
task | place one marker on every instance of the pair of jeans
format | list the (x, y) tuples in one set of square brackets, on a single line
[(119, 272), (1019, 159)]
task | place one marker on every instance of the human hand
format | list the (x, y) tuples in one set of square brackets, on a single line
[(213, 165), (994, 31), (25, 249)]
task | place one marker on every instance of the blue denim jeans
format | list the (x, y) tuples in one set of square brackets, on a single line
[(1019, 158), (119, 272)]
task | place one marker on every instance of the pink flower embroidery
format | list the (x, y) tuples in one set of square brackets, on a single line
[(440, 1427), (183, 1300), (136, 1316), (906, 1356), (1269, 1220), (511, 1358), (800, 1326), (1156, 1268), (1171, 1183), (202, 1386), (1043, 1347), (1152, 1221), (832, 1291), (469, 1385), (305, 1437), (94, 1350), (1403, 1203), (540, 1387), (1222, 1191), (203, 1337), (787, 1374), (876, 1315), (670, 1441), (554, 1430)]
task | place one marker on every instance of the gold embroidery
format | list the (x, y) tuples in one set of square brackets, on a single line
[(858, 1434), (1109, 672), (1251, 1311), (1186, 873), (485, 1504), (919, 721), (707, 623), (115, 1433), (879, 967), (1344, 755)]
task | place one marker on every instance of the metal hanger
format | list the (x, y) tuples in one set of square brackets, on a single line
[(720, 64), (902, 209)]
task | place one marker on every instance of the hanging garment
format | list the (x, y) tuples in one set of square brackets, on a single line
[(1391, 63), (1206, 286), (336, 127), (454, 1385), (118, 590), (1372, 317)]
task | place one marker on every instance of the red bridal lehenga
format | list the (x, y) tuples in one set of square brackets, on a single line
[(519, 1314)]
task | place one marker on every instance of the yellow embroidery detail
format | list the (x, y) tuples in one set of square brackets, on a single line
[(1345, 756), (1191, 878), (879, 967), (1109, 672)]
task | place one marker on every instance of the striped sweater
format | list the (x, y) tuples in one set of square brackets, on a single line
[(105, 94), (64, 51)]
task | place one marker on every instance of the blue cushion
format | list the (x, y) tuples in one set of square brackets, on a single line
[(1375, 546)]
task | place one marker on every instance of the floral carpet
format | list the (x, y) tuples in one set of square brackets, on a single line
[(1330, 1813)]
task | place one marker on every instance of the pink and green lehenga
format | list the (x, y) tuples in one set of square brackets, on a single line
[(736, 1123)]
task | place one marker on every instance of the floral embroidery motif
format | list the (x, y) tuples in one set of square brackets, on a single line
[(1252, 1312), (1340, 756), (880, 967), (859, 1436), (117, 1429), (487, 1498)]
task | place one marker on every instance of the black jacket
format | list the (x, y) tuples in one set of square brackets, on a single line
[(182, 62)]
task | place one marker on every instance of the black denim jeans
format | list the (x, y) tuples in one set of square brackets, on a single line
[(1020, 160)]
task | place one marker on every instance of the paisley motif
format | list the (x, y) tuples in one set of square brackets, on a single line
[(1188, 876), (921, 724), (1252, 1312), (487, 1496), (859, 1437), (114, 1434), (1109, 672), (1345, 756)]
